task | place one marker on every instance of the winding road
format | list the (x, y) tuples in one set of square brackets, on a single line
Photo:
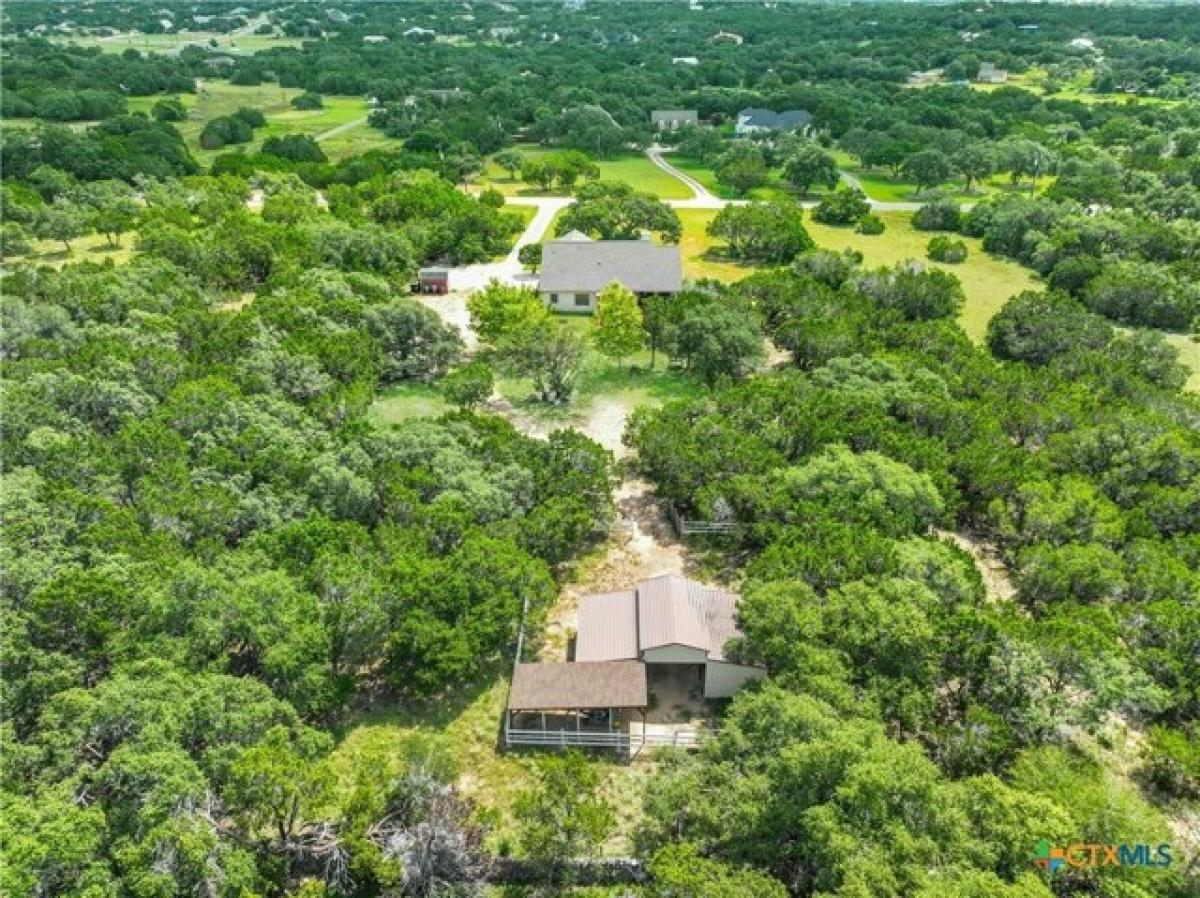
[(703, 198), (509, 269)]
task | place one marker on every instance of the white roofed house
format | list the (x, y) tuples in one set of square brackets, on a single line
[(575, 268)]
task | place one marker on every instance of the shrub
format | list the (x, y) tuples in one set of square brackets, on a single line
[(169, 109), (842, 207), (296, 147), (1173, 761), (252, 117), (870, 225), (225, 129), (946, 249), (308, 100), (469, 386), (941, 214)]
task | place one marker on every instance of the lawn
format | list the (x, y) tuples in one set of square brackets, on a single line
[(89, 248), (605, 392), (773, 189), (634, 169), (467, 730), (988, 281), (405, 401), (217, 98), (696, 248), (173, 43)]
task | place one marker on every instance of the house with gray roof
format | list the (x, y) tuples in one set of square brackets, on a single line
[(575, 268), (753, 120), (661, 641), (671, 119)]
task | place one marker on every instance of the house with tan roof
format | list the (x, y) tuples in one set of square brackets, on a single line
[(668, 635)]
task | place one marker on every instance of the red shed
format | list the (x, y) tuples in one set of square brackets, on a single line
[(433, 280)]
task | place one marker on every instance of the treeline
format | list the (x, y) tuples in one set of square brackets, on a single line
[(921, 729), (213, 551), (36, 68)]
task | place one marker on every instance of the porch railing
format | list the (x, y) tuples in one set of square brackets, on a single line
[(585, 739)]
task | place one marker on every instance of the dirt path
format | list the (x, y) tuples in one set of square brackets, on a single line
[(996, 579), (341, 129), (642, 545)]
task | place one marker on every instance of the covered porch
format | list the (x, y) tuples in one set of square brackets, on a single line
[(584, 704)]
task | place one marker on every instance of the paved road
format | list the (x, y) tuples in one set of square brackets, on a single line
[(509, 269), (702, 197)]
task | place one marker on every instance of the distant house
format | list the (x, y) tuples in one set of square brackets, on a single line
[(664, 637), (446, 95), (419, 33), (684, 60), (730, 36), (989, 74), (754, 121), (374, 38), (671, 119), (924, 79), (575, 268)]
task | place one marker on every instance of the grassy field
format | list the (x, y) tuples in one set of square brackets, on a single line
[(1078, 89), (89, 248), (408, 400), (988, 281), (173, 43), (634, 169), (217, 98), (773, 189), (606, 389), (1189, 355)]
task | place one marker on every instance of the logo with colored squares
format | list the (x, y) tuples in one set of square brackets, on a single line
[(1049, 858), (1089, 854)]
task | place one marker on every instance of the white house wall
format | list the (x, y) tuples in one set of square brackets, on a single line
[(674, 654), (721, 680), (565, 302)]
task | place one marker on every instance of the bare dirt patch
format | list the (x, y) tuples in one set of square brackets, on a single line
[(996, 578), (641, 545)]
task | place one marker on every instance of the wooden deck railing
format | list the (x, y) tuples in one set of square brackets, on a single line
[(586, 739)]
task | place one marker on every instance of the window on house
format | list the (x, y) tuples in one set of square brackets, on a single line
[(583, 299), (554, 298)]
